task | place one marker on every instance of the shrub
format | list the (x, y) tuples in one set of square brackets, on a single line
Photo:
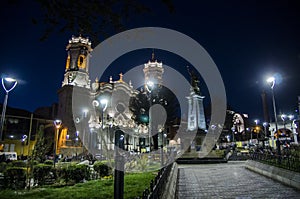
[(42, 172), (3, 166), (15, 178), (102, 169), (80, 172), (76, 173), (18, 163), (49, 162)]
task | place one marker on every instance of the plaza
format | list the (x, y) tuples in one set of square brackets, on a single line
[(228, 180)]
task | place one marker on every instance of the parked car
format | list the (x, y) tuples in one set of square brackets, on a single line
[(9, 156)]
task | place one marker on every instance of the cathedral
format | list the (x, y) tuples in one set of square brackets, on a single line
[(92, 111)]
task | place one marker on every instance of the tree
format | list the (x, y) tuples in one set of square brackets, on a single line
[(140, 105), (95, 18), (42, 146)]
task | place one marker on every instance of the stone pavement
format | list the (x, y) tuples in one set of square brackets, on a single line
[(228, 180)]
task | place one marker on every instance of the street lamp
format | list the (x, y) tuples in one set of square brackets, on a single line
[(271, 81), (57, 124), (291, 118), (256, 121), (149, 87), (7, 90), (103, 103), (265, 124), (295, 132), (233, 131), (283, 117)]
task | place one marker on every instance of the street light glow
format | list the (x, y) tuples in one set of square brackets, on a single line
[(149, 86), (271, 80), (57, 123), (9, 79), (291, 117), (150, 83), (104, 102), (283, 116)]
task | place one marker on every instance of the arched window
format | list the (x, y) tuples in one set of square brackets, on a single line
[(81, 61)]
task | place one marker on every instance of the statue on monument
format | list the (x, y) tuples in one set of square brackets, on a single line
[(194, 81)]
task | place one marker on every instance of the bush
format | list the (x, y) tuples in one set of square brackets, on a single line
[(3, 166), (42, 172), (49, 162), (18, 163), (102, 169), (15, 178), (76, 173)]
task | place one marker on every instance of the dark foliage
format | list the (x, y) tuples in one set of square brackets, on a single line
[(95, 18), (102, 169), (75, 173), (15, 178), (41, 173)]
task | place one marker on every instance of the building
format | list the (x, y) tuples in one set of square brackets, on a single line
[(22, 129), (91, 112)]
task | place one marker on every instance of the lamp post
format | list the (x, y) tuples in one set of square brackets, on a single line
[(103, 103), (291, 118), (271, 81), (149, 87), (7, 90), (57, 124), (295, 132), (119, 165), (256, 121), (283, 117), (265, 124), (233, 131)]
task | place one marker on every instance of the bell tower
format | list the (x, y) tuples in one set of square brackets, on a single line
[(76, 80), (77, 70), (153, 71)]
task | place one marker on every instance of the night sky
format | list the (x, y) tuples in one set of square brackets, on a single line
[(248, 40)]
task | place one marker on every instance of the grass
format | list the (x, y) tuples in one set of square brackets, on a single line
[(212, 154), (134, 185)]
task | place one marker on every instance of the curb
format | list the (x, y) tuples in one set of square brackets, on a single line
[(171, 185), (284, 176)]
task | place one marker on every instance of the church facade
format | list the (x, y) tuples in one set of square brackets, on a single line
[(91, 115)]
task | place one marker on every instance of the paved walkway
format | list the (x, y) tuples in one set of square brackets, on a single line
[(228, 180)]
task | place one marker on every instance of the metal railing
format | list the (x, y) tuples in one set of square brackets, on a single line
[(155, 191), (283, 161)]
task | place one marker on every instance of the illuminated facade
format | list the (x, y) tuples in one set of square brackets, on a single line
[(89, 123), (153, 71)]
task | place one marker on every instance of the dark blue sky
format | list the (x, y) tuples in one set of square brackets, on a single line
[(248, 40)]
